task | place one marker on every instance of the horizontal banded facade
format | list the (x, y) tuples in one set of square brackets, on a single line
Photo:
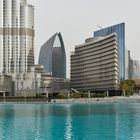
[(16, 31), (94, 65)]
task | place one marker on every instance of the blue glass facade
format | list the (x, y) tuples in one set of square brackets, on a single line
[(53, 57), (119, 29)]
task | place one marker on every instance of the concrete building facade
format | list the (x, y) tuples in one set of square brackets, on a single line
[(37, 81), (94, 64), (16, 36), (6, 85)]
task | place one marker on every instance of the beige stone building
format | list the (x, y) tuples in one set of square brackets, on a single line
[(37, 81), (6, 85), (94, 65)]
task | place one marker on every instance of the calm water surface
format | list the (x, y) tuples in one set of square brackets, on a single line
[(102, 121)]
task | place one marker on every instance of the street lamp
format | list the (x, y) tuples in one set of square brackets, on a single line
[(47, 87)]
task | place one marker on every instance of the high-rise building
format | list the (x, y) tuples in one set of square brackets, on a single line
[(126, 64), (130, 68), (16, 36), (94, 65), (53, 57), (119, 29), (136, 69)]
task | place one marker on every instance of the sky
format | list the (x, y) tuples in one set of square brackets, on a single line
[(78, 19)]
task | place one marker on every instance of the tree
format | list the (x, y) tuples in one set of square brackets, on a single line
[(128, 86)]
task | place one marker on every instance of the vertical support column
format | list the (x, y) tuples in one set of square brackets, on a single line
[(47, 94), (123, 92), (4, 94), (89, 94), (107, 93), (68, 94), (25, 94)]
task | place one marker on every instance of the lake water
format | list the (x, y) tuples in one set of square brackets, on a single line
[(99, 121)]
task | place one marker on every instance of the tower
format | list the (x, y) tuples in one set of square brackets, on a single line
[(16, 36), (119, 29), (53, 56)]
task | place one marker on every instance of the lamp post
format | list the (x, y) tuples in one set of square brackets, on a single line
[(89, 94), (107, 93), (47, 87), (47, 93), (68, 94)]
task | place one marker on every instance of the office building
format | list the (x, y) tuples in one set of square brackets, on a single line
[(94, 65), (136, 69), (126, 64), (53, 57), (119, 29), (16, 36), (130, 68)]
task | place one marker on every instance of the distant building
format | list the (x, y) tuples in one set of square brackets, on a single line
[(130, 68), (119, 29), (16, 36), (126, 64), (94, 65), (137, 82), (136, 69), (53, 57)]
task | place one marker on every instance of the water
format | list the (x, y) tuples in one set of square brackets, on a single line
[(100, 121)]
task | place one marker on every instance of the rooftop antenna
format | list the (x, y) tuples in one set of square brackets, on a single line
[(100, 27)]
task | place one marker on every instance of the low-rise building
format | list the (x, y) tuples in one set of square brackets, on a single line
[(38, 82), (6, 85)]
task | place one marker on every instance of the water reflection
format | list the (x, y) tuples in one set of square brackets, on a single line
[(68, 122), (68, 134)]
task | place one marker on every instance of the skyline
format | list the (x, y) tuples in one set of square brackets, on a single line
[(77, 20)]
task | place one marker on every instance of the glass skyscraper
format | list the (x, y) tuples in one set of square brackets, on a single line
[(119, 29), (53, 57)]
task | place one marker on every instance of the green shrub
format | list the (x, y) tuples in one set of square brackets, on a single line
[(75, 95), (62, 95), (129, 93), (84, 95)]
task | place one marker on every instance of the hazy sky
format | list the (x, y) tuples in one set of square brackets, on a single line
[(77, 19)]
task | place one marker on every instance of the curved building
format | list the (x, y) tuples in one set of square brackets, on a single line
[(53, 56), (94, 65)]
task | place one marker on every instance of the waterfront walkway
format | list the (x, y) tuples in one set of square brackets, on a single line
[(130, 99), (92, 100)]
